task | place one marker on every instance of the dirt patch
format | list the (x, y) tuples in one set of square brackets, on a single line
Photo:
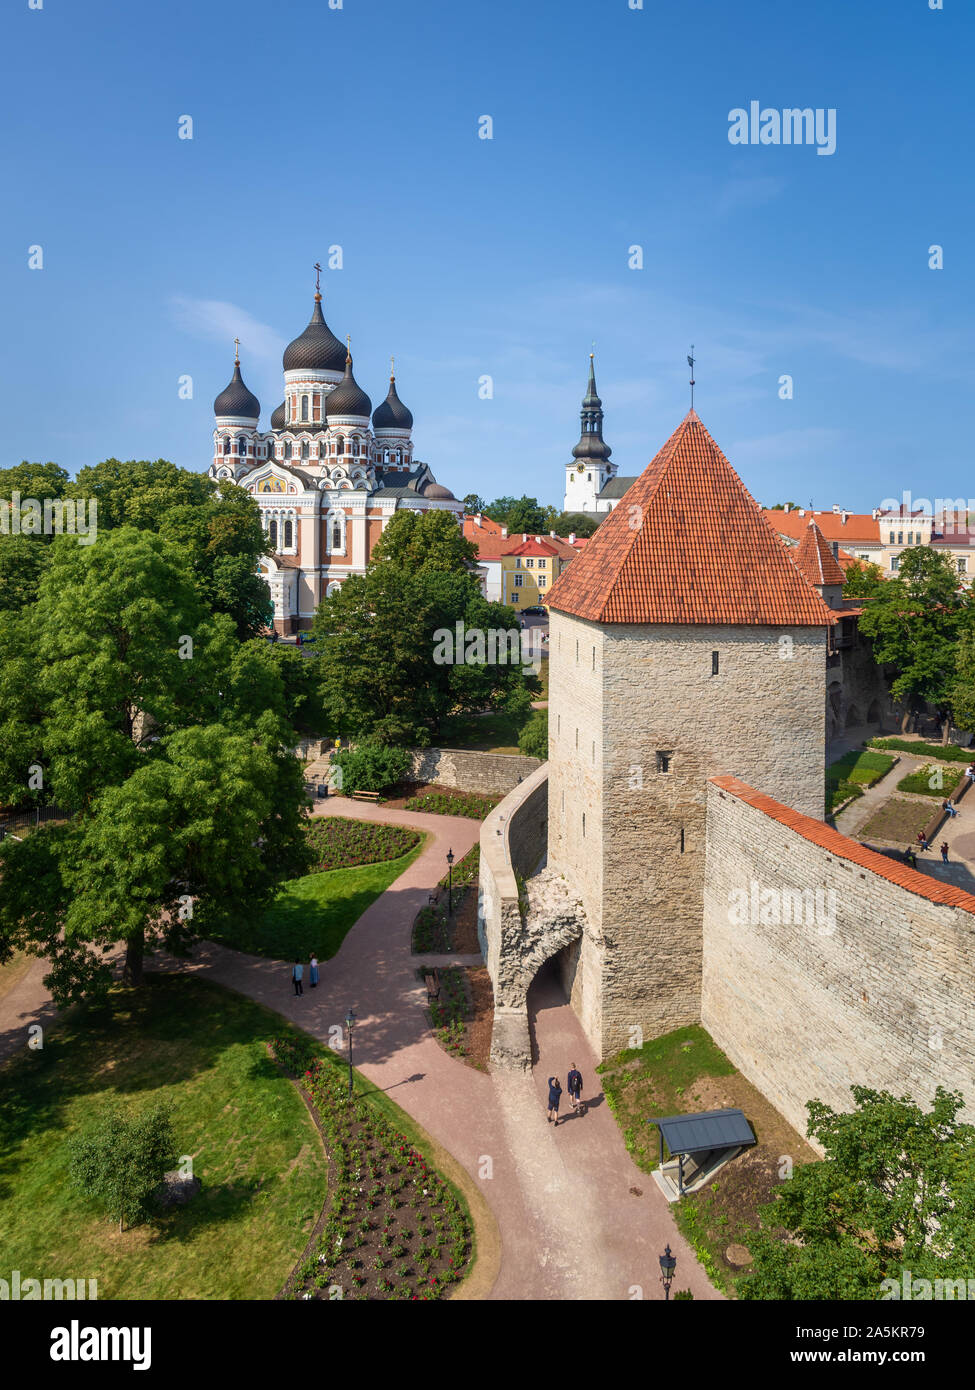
[(480, 1026), (897, 822), (463, 938)]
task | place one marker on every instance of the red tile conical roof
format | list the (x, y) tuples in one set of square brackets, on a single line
[(816, 560), (688, 544)]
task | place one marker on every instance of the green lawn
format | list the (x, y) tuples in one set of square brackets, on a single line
[(938, 782), (253, 1144), (313, 914), (850, 774), (486, 733)]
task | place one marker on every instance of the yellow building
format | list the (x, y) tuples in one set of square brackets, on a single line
[(530, 566)]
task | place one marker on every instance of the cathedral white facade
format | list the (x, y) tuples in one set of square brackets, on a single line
[(327, 473), (592, 484)]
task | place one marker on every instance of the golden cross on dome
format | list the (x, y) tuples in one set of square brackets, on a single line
[(392, 369), (236, 352), (318, 272), (348, 347)]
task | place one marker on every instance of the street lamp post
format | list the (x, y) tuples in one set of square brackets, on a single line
[(450, 881), (668, 1263), (350, 1024)]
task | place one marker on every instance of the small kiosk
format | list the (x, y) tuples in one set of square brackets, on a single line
[(698, 1145)]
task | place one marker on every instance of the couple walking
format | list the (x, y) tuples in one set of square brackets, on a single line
[(574, 1082), (298, 971)]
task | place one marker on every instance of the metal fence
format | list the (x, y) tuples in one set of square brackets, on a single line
[(20, 822)]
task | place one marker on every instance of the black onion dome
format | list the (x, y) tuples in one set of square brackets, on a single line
[(591, 446), (277, 418), (392, 414), (348, 398), (317, 348), (235, 399)]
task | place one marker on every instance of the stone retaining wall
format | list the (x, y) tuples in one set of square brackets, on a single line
[(491, 774)]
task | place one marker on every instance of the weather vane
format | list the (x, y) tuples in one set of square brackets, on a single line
[(690, 363)]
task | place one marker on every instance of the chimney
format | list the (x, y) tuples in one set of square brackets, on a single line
[(572, 538), (875, 513), (788, 506), (552, 534), (524, 535), (836, 508), (844, 518), (478, 518), (504, 532), (802, 511)]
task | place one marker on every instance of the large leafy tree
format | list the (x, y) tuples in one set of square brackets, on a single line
[(895, 1191), (381, 673), (574, 524), (521, 514), (23, 558), (915, 622), (863, 580), (220, 531), (120, 1162), (168, 742)]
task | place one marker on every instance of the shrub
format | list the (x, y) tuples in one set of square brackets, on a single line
[(453, 804), (371, 767), (533, 739), (120, 1161)]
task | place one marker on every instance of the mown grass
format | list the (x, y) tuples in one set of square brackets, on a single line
[(929, 781), (848, 776), (252, 1141), (313, 915)]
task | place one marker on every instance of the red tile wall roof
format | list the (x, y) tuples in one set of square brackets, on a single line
[(816, 560), (860, 529), (688, 544), (818, 833)]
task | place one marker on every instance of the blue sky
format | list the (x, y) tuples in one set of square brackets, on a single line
[(358, 127)]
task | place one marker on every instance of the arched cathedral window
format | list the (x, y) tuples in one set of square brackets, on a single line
[(288, 534), (336, 535), (304, 448), (304, 407), (272, 533), (226, 444)]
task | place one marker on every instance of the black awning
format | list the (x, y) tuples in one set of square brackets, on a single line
[(713, 1129)]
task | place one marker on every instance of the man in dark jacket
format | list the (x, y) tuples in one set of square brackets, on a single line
[(574, 1083)]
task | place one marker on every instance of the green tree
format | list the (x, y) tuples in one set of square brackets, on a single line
[(370, 767), (533, 739), (962, 691), (23, 558), (574, 524), (172, 744), (781, 506), (895, 1191), (418, 541), (120, 1162), (474, 504), (522, 514), (863, 580), (914, 623)]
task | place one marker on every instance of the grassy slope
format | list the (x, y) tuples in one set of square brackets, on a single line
[(253, 1145), (314, 914)]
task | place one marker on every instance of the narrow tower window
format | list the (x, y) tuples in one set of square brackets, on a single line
[(288, 535), (272, 534), (682, 839), (714, 663), (304, 407), (663, 760)]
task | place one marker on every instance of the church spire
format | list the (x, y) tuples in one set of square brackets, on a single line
[(591, 446)]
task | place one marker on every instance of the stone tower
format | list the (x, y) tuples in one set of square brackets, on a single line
[(685, 643)]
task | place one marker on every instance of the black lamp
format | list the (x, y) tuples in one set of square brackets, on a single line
[(668, 1263)]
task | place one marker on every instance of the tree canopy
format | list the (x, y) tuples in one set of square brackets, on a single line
[(895, 1191)]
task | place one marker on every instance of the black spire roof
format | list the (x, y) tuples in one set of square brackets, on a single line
[(235, 399), (591, 447), (317, 348), (348, 398), (392, 414)]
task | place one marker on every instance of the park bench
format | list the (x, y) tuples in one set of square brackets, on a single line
[(365, 796), (432, 982)]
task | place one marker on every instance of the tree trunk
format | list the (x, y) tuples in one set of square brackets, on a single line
[(906, 721), (134, 948), (945, 731)]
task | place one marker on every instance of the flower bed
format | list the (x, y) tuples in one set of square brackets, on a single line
[(450, 1013), (449, 803), (430, 930), (945, 753), (340, 843), (465, 871), (394, 1228)]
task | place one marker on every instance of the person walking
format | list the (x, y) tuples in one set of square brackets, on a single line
[(574, 1082), (554, 1096), (296, 975), (944, 851), (313, 972)]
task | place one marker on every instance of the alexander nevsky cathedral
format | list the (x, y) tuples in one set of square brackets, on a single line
[(327, 474)]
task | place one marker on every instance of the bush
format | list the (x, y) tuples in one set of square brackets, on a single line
[(929, 781), (121, 1162), (533, 739), (370, 767)]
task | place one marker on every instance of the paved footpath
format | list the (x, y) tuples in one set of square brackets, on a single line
[(570, 1225)]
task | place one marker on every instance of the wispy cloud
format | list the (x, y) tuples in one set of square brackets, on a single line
[(220, 321)]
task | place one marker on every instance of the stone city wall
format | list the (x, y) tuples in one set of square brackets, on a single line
[(873, 984), (491, 774)]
